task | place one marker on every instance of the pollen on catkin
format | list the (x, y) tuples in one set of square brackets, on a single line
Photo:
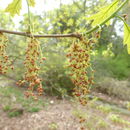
[(32, 63)]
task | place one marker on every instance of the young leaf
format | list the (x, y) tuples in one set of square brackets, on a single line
[(104, 13), (31, 2), (14, 7), (127, 36), (128, 48)]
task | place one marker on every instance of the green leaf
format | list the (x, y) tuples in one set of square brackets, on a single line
[(128, 48), (127, 36), (104, 13), (31, 2), (14, 7)]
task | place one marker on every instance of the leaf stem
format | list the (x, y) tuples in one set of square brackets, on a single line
[(121, 19), (29, 17)]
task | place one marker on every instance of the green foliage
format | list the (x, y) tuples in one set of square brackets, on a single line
[(7, 108), (34, 109), (15, 112), (115, 66), (112, 73), (102, 124), (14, 7), (80, 114), (5, 20), (108, 52), (31, 2), (128, 105), (13, 96), (105, 109), (121, 68), (104, 13), (56, 80), (117, 119), (127, 36), (113, 88), (53, 126)]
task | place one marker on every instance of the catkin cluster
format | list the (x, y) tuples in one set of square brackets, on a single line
[(32, 63), (79, 63), (5, 63)]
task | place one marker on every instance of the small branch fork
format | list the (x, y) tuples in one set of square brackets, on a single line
[(74, 35)]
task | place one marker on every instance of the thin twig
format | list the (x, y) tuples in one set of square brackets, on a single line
[(29, 17), (76, 35)]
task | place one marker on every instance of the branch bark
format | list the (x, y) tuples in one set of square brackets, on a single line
[(74, 35)]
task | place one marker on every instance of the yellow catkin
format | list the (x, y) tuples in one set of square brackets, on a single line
[(32, 63), (79, 63), (5, 63)]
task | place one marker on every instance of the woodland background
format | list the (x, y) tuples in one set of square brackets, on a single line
[(109, 59)]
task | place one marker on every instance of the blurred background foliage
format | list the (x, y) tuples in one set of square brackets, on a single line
[(109, 58)]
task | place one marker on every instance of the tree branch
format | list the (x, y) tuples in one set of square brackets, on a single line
[(75, 35)]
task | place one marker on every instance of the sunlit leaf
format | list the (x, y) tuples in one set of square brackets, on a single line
[(31, 2), (104, 13), (127, 36), (14, 7), (70, 22), (128, 48)]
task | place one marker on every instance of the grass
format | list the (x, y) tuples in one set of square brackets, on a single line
[(53, 126), (101, 116), (114, 87), (6, 108), (105, 109), (13, 97), (15, 113), (34, 109), (78, 113), (117, 119), (97, 114), (128, 106), (102, 124)]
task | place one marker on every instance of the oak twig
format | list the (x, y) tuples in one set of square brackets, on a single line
[(76, 35)]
